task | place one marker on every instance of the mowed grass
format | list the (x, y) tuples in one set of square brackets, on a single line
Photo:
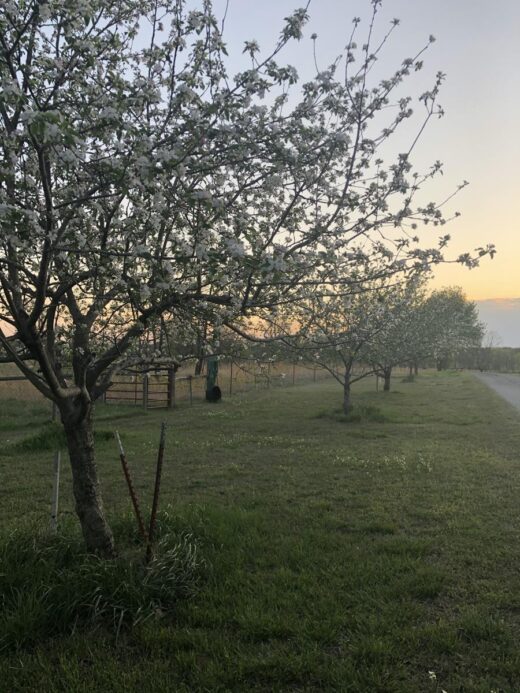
[(379, 554)]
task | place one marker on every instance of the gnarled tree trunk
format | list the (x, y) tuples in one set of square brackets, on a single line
[(89, 506), (347, 403)]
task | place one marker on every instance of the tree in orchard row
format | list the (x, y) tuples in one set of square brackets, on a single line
[(403, 334), (438, 327), (138, 177), (453, 325), (388, 323), (353, 334)]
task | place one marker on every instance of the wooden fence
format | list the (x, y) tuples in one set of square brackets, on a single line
[(167, 388)]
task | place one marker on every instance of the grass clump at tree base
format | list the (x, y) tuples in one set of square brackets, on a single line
[(50, 586)]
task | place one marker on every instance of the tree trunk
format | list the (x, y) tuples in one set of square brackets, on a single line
[(416, 368), (388, 377), (347, 403), (89, 506)]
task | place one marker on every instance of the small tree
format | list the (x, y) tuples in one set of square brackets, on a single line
[(337, 332)]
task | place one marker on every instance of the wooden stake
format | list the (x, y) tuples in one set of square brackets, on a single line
[(133, 494)]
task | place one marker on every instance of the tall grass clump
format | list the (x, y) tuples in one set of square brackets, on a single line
[(50, 586)]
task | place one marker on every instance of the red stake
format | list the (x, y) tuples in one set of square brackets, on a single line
[(158, 472), (133, 494)]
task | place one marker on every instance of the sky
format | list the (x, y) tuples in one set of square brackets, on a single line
[(478, 47)]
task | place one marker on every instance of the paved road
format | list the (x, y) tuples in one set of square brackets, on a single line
[(507, 385)]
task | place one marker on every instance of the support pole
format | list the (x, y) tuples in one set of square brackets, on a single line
[(55, 492), (155, 504), (171, 388), (145, 391), (133, 494)]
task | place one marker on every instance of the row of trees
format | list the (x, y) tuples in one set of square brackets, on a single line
[(140, 181), (356, 335)]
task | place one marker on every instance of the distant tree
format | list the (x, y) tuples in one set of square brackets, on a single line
[(453, 324), (402, 339), (337, 332)]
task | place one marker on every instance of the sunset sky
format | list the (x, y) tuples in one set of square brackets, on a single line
[(478, 47)]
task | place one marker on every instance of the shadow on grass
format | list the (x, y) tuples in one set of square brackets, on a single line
[(50, 437), (358, 414)]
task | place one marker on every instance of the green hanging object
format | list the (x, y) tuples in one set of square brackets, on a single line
[(213, 393)]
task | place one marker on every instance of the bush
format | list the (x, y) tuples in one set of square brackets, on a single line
[(49, 585)]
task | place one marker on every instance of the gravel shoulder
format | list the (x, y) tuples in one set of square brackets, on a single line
[(507, 385)]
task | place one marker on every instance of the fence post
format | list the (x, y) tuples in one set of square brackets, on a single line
[(55, 492), (145, 391), (171, 388), (268, 374)]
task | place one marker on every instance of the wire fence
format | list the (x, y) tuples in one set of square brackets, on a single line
[(167, 389)]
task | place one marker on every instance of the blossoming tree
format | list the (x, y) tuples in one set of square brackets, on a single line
[(138, 177), (453, 325), (406, 333)]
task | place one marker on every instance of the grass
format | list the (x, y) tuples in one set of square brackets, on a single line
[(51, 587), (369, 555)]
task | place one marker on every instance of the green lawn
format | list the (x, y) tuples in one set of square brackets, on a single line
[(342, 556)]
